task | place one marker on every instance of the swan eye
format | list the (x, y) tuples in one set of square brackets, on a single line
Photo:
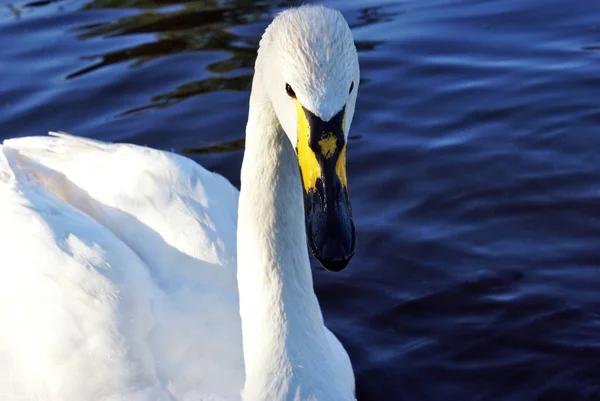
[(351, 87), (290, 91)]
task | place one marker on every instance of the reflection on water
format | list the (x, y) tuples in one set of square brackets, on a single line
[(195, 26), (239, 83), (225, 147)]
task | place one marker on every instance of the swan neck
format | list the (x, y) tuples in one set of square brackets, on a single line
[(282, 324)]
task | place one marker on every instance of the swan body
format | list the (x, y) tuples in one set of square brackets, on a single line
[(128, 273)]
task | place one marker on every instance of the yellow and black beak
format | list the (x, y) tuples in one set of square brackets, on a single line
[(321, 152)]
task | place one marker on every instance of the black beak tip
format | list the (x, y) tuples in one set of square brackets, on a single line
[(334, 257), (332, 241), (334, 265)]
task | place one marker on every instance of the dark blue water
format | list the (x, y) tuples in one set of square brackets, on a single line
[(474, 167)]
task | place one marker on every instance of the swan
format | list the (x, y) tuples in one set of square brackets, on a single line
[(128, 273)]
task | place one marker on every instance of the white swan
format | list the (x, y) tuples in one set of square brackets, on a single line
[(118, 262)]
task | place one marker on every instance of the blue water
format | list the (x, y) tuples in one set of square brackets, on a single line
[(474, 167)]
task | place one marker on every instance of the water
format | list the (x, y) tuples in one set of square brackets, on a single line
[(474, 167)]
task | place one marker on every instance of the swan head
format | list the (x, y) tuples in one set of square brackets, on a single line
[(311, 75)]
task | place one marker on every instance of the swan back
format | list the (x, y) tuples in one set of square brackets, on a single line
[(124, 258)]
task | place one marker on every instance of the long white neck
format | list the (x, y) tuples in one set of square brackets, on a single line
[(283, 334)]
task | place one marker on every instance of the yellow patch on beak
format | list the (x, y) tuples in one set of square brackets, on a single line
[(340, 167), (328, 145), (310, 168)]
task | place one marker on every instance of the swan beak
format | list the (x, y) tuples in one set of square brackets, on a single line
[(321, 150)]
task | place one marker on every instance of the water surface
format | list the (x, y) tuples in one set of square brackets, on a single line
[(474, 167)]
